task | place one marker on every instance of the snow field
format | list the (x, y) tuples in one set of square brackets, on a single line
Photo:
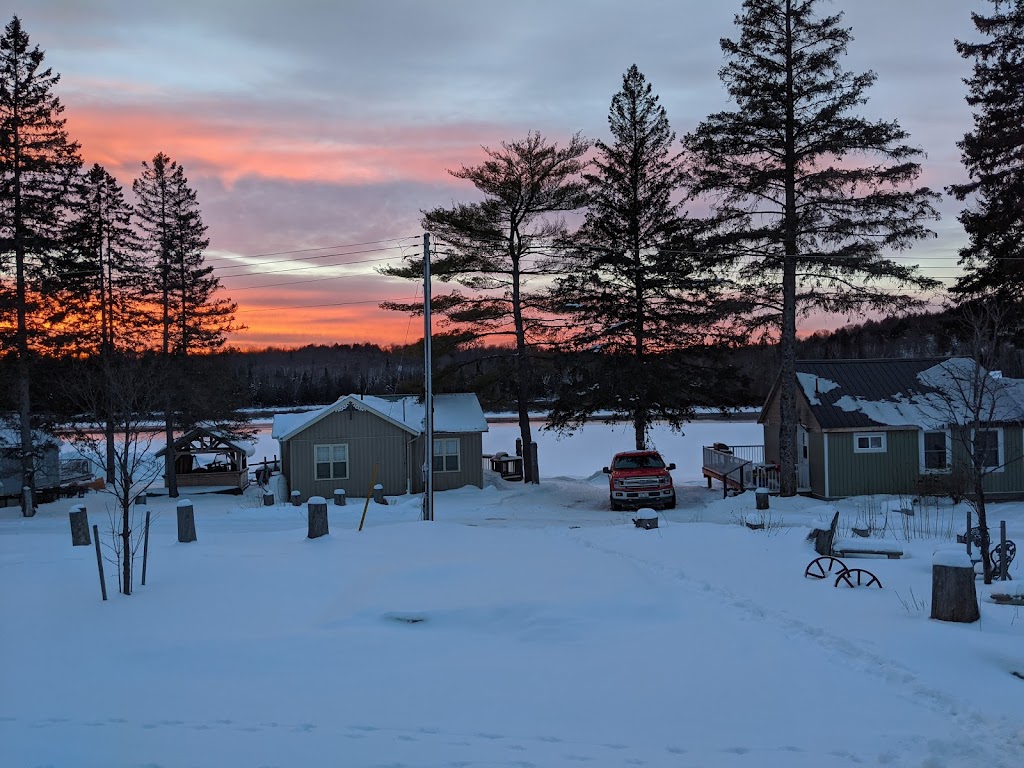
[(527, 626)]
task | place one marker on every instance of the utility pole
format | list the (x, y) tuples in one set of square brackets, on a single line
[(428, 390)]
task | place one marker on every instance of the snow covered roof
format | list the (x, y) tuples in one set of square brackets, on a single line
[(219, 438), (452, 413), (920, 393)]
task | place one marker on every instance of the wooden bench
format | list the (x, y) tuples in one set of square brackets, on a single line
[(509, 467), (827, 545)]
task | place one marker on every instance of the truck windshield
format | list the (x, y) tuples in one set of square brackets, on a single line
[(639, 462)]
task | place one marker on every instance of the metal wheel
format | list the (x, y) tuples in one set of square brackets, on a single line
[(997, 554), (858, 577), (821, 567), (975, 534)]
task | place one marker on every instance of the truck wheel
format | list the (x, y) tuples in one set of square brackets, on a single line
[(616, 507), (671, 504)]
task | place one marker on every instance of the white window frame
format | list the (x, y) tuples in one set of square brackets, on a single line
[(446, 444), (883, 448), (925, 470), (332, 461), (1000, 453)]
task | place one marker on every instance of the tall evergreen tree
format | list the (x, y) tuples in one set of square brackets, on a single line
[(37, 163), (993, 154), (809, 195), (636, 291), (500, 247), (101, 270), (190, 316)]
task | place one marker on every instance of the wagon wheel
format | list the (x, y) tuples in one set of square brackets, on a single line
[(858, 577), (975, 534), (821, 567), (996, 554)]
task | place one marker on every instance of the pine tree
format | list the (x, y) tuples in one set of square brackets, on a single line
[(38, 160), (500, 247), (809, 195), (189, 315), (637, 291), (993, 154)]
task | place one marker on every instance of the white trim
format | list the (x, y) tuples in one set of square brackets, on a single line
[(883, 442), (446, 442), (332, 462), (920, 452), (1000, 451)]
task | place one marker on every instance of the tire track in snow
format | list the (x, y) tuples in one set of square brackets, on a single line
[(1003, 736)]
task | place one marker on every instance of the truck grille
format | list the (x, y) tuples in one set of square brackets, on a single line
[(641, 482)]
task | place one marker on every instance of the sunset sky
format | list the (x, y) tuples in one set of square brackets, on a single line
[(314, 132)]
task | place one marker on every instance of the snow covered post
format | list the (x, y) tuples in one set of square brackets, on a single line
[(296, 498), (268, 498), (646, 518), (761, 498), (378, 494), (186, 522), (339, 497), (79, 526), (534, 466), (953, 594), (316, 517)]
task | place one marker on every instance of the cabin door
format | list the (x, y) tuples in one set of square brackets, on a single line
[(803, 458)]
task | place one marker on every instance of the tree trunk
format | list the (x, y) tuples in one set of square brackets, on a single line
[(522, 367), (316, 518), (787, 337), (126, 544), (953, 595), (981, 512), (171, 477)]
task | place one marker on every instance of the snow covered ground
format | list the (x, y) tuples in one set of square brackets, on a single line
[(527, 626)]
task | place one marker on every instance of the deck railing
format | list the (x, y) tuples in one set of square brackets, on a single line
[(742, 465)]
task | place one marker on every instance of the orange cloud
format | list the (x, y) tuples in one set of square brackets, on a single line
[(120, 138)]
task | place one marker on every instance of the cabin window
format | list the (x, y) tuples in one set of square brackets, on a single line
[(869, 442), (446, 454), (331, 461), (935, 451), (988, 447)]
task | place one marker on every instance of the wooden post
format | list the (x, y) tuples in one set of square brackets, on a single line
[(366, 504), (186, 522), (378, 494), (145, 549), (79, 519), (1003, 564), (519, 446), (953, 594), (761, 498), (339, 497), (296, 498), (99, 560), (316, 517), (534, 466), (268, 498)]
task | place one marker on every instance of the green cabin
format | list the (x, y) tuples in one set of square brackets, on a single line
[(902, 427)]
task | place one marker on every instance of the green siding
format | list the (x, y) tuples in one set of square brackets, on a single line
[(816, 449), (471, 465), (858, 474), (1011, 479)]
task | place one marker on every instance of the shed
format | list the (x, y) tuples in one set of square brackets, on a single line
[(208, 458), (47, 462), (894, 426), (338, 446)]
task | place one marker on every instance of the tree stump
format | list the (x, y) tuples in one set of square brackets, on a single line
[(268, 499), (186, 522), (316, 517), (296, 498), (378, 494), (761, 498), (79, 526), (339, 497), (954, 597)]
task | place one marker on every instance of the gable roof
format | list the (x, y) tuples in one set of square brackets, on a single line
[(245, 446), (919, 393), (452, 413)]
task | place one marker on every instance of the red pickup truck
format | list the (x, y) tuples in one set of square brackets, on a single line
[(640, 479)]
